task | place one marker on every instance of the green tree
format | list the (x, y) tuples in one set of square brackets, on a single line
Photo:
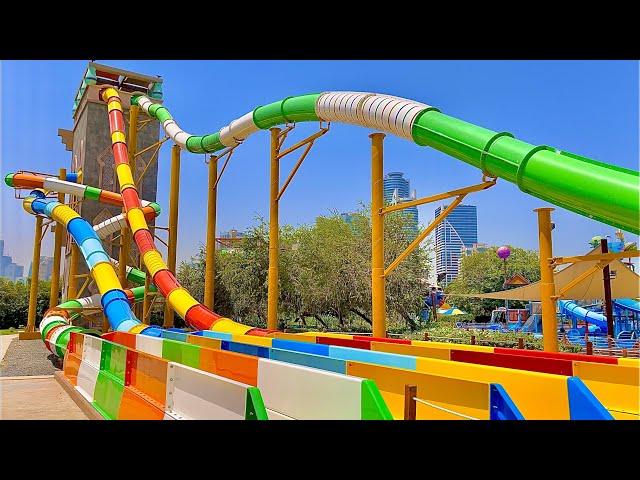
[(484, 272), (14, 302)]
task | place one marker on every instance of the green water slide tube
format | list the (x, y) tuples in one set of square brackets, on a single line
[(597, 190)]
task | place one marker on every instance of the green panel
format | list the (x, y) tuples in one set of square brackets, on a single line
[(113, 359), (269, 115), (301, 108), (372, 405), (70, 304), (153, 108), (162, 114), (136, 276), (255, 409), (212, 143), (194, 144), (134, 99), (156, 207), (63, 341), (180, 352), (43, 333), (8, 179), (92, 193), (108, 394)]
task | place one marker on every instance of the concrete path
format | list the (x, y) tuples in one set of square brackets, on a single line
[(5, 340), (36, 398)]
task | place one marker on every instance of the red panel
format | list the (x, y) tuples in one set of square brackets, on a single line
[(111, 198), (200, 317), (519, 362), (260, 332), (76, 341), (130, 197), (380, 339), (120, 153), (344, 342), (562, 356), (130, 296), (165, 281), (144, 241), (116, 120), (149, 213)]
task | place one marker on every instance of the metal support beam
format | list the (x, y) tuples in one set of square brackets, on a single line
[(174, 197), (378, 301), (274, 238), (35, 272), (72, 284), (57, 251), (584, 275), (210, 262), (610, 256), (606, 279), (547, 285)]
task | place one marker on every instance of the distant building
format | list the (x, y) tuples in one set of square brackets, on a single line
[(228, 240), (475, 248), (46, 268), (8, 268), (396, 190), (458, 230)]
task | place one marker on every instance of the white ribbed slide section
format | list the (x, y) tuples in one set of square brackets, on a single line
[(172, 129), (238, 130), (390, 114), (50, 319), (91, 301), (62, 186), (110, 225)]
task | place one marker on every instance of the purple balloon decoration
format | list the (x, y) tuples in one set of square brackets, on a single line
[(504, 252)]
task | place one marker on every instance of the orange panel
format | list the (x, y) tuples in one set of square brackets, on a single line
[(236, 366), (147, 376), (207, 342), (295, 337), (111, 198), (71, 366), (135, 407)]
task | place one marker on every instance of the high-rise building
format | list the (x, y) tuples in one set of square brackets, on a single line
[(46, 268), (458, 230), (8, 268), (397, 190)]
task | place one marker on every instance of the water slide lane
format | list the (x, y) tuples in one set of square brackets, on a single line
[(573, 309), (562, 178), (193, 312)]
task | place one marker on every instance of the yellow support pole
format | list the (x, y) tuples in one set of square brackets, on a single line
[(274, 237), (57, 251), (378, 302), (146, 301), (547, 285), (35, 272), (174, 195), (210, 264)]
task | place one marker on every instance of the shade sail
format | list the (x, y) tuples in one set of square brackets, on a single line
[(624, 284)]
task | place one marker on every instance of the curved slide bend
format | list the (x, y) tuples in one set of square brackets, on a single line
[(607, 193), (573, 309)]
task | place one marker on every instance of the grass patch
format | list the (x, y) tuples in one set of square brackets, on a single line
[(11, 331)]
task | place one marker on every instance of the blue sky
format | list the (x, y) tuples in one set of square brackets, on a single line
[(586, 107)]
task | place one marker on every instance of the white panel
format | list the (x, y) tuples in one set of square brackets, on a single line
[(242, 127), (51, 318), (62, 186), (92, 301), (150, 345), (145, 203), (181, 139), (308, 393), (91, 350), (197, 395), (172, 128), (273, 415), (111, 225), (145, 103), (54, 337), (226, 138), (86, 381)]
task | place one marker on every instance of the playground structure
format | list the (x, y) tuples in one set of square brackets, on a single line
[(219, 368)]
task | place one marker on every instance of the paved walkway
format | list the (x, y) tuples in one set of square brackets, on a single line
[(36, 398), (5, 340)]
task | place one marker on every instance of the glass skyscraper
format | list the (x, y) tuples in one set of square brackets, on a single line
[(396, 189), (459, 229)]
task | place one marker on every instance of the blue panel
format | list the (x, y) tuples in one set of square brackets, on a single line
[(111, 295), (197, 332), (80, 230), (218, 335), (314, 348), (127, 325), (96, 258), (181, 337), (501, 406), (309, 360), (48, 210), (583, 405), (38, 206), (378, 358), (89, 246), (72, 177), (118, 311), (152, 332), (247, 349)]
